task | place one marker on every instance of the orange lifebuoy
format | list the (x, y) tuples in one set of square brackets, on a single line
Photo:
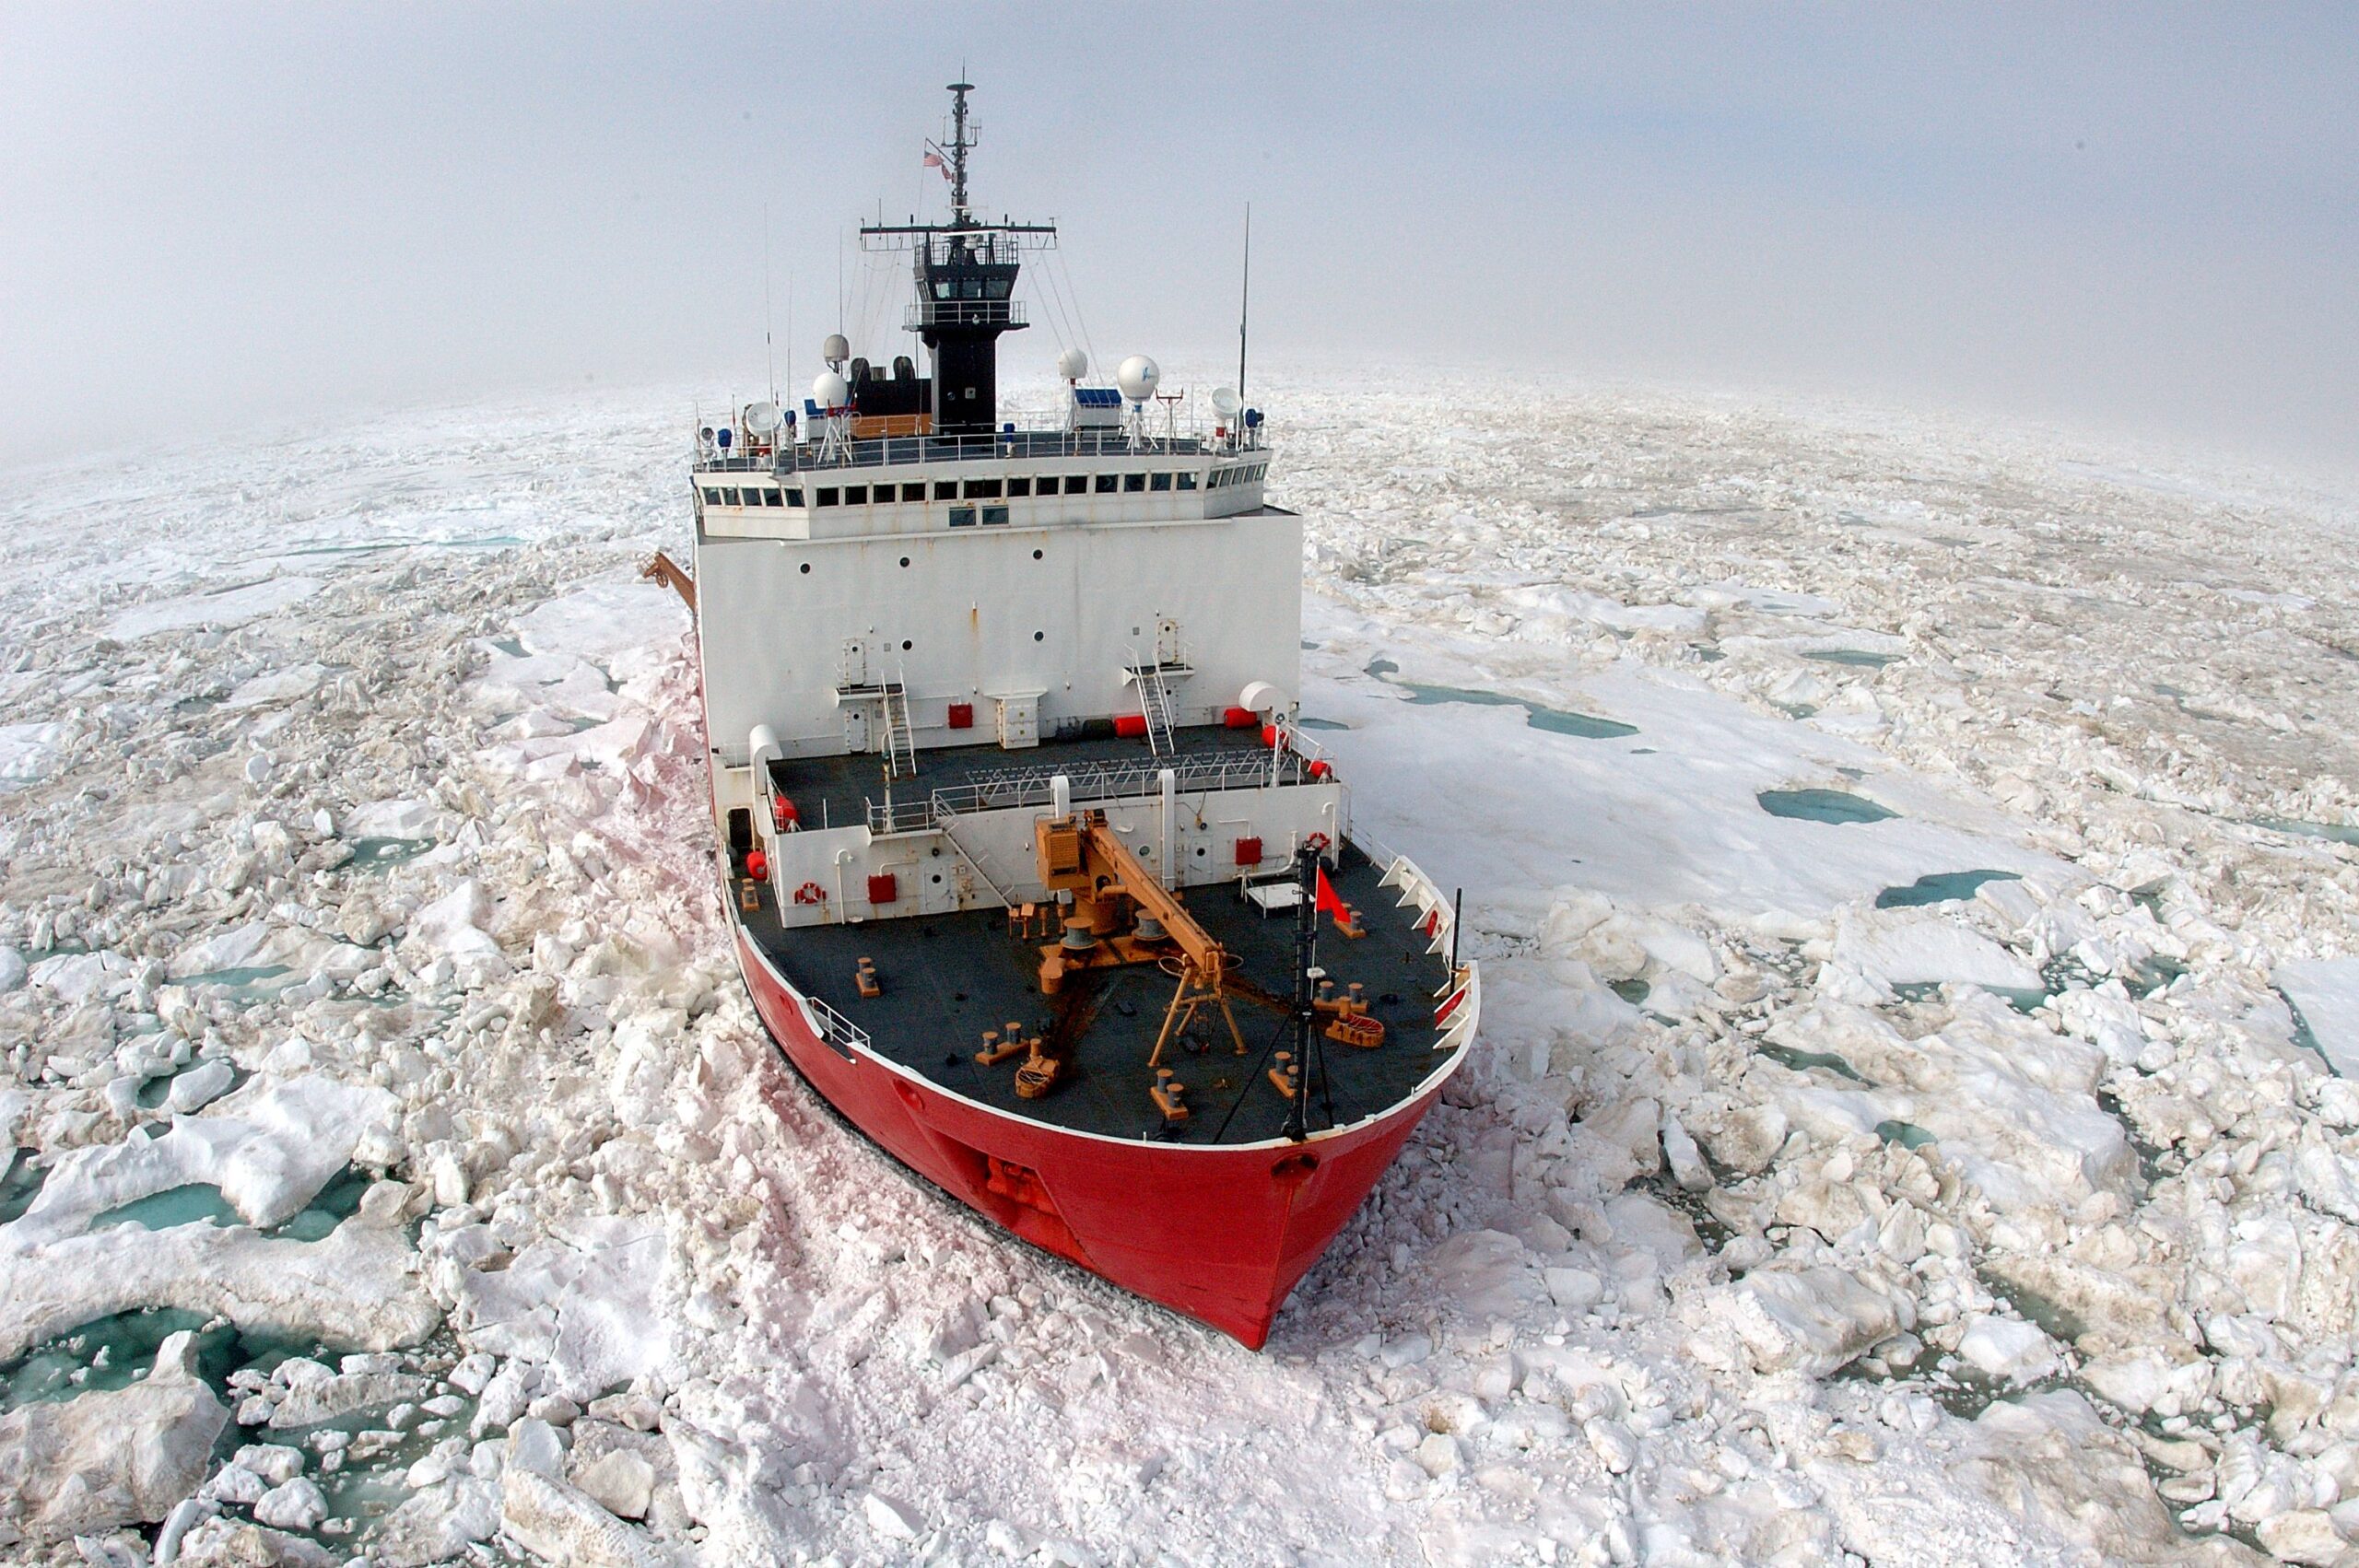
[(1318, 841), (757, 866), (810, 892)]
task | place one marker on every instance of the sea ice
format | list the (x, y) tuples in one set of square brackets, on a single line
[(270, 1148), (582, 1302), (225, 607), (98, 1461), (357, 1287), (1730, 1185), (2326, 991)]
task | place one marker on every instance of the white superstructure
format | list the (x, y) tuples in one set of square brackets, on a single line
[(891, 597), (921, 628)]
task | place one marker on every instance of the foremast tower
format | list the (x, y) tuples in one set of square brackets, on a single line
[(966, 282)]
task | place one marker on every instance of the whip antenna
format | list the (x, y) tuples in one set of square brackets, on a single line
[(1244, 303), (770, 347)]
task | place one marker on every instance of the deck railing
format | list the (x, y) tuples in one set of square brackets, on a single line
[(895, 451), (1015, 787), (834, 1025)]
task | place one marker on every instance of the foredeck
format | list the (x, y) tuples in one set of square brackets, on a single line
[(947, 979)]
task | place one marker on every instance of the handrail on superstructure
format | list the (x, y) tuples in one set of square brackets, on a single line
[(896, 452)]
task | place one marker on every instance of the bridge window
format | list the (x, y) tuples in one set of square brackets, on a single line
[(1019, 486), (795, 497), (826, 496), (962, 516), (711, 496), (855, 495), (994, 515), (729, 498), (1159, 481), (1076, 484), (945, 489), (982, 490), (913, 492), (1188, 479), (772, 499), (1133, 484), (1106, 483)]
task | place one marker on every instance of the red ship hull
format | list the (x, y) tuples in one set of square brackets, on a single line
[(1220, 1232)]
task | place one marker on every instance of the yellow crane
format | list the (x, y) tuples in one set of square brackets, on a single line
[(1122, 914)]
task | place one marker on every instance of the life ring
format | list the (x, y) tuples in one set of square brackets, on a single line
[(1318, 841), (810, 892)]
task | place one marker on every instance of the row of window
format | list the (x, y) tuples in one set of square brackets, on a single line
[(750, 495), (975, 491)]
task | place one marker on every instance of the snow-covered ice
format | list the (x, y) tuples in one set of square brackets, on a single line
[(364, 1002)]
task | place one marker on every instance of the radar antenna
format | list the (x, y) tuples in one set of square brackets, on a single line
[(956, 153)]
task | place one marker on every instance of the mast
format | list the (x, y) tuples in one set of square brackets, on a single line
[(959, 142), (965, 273), (1245, 299), (1310, 1055)]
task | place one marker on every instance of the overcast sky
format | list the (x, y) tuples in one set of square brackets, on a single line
[(2138, 218)]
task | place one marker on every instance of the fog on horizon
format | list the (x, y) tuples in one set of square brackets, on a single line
[(2140, 220)]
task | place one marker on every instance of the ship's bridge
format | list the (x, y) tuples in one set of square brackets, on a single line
[(897, 485)]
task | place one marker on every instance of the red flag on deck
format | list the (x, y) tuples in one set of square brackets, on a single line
[(1329, 904)]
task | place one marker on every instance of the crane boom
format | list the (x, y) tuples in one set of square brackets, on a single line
[(1154, 900), (1081, 855)]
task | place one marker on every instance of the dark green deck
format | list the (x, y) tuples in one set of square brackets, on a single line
[(948, 978)]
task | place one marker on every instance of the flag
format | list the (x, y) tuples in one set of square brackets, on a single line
[(933, 160), (1328, 901)]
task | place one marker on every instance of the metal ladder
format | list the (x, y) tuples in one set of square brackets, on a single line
[(900, 738), (1155, 701), (947, 821)]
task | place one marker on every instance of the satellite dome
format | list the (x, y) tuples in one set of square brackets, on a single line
[(762, 418), (836, 350), (1072, 364), (1260, 697), (1137, 377), (1226, 403), (829, 390)]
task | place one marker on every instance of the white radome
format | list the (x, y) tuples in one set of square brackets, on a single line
[(836, 350), (830, 391), (1072, 364), (1260, 697), (1225, 401), (1138, 376), (762, 418)]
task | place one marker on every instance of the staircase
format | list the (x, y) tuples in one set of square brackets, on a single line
[(969, 861), (900, 739), (1155, 701)]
